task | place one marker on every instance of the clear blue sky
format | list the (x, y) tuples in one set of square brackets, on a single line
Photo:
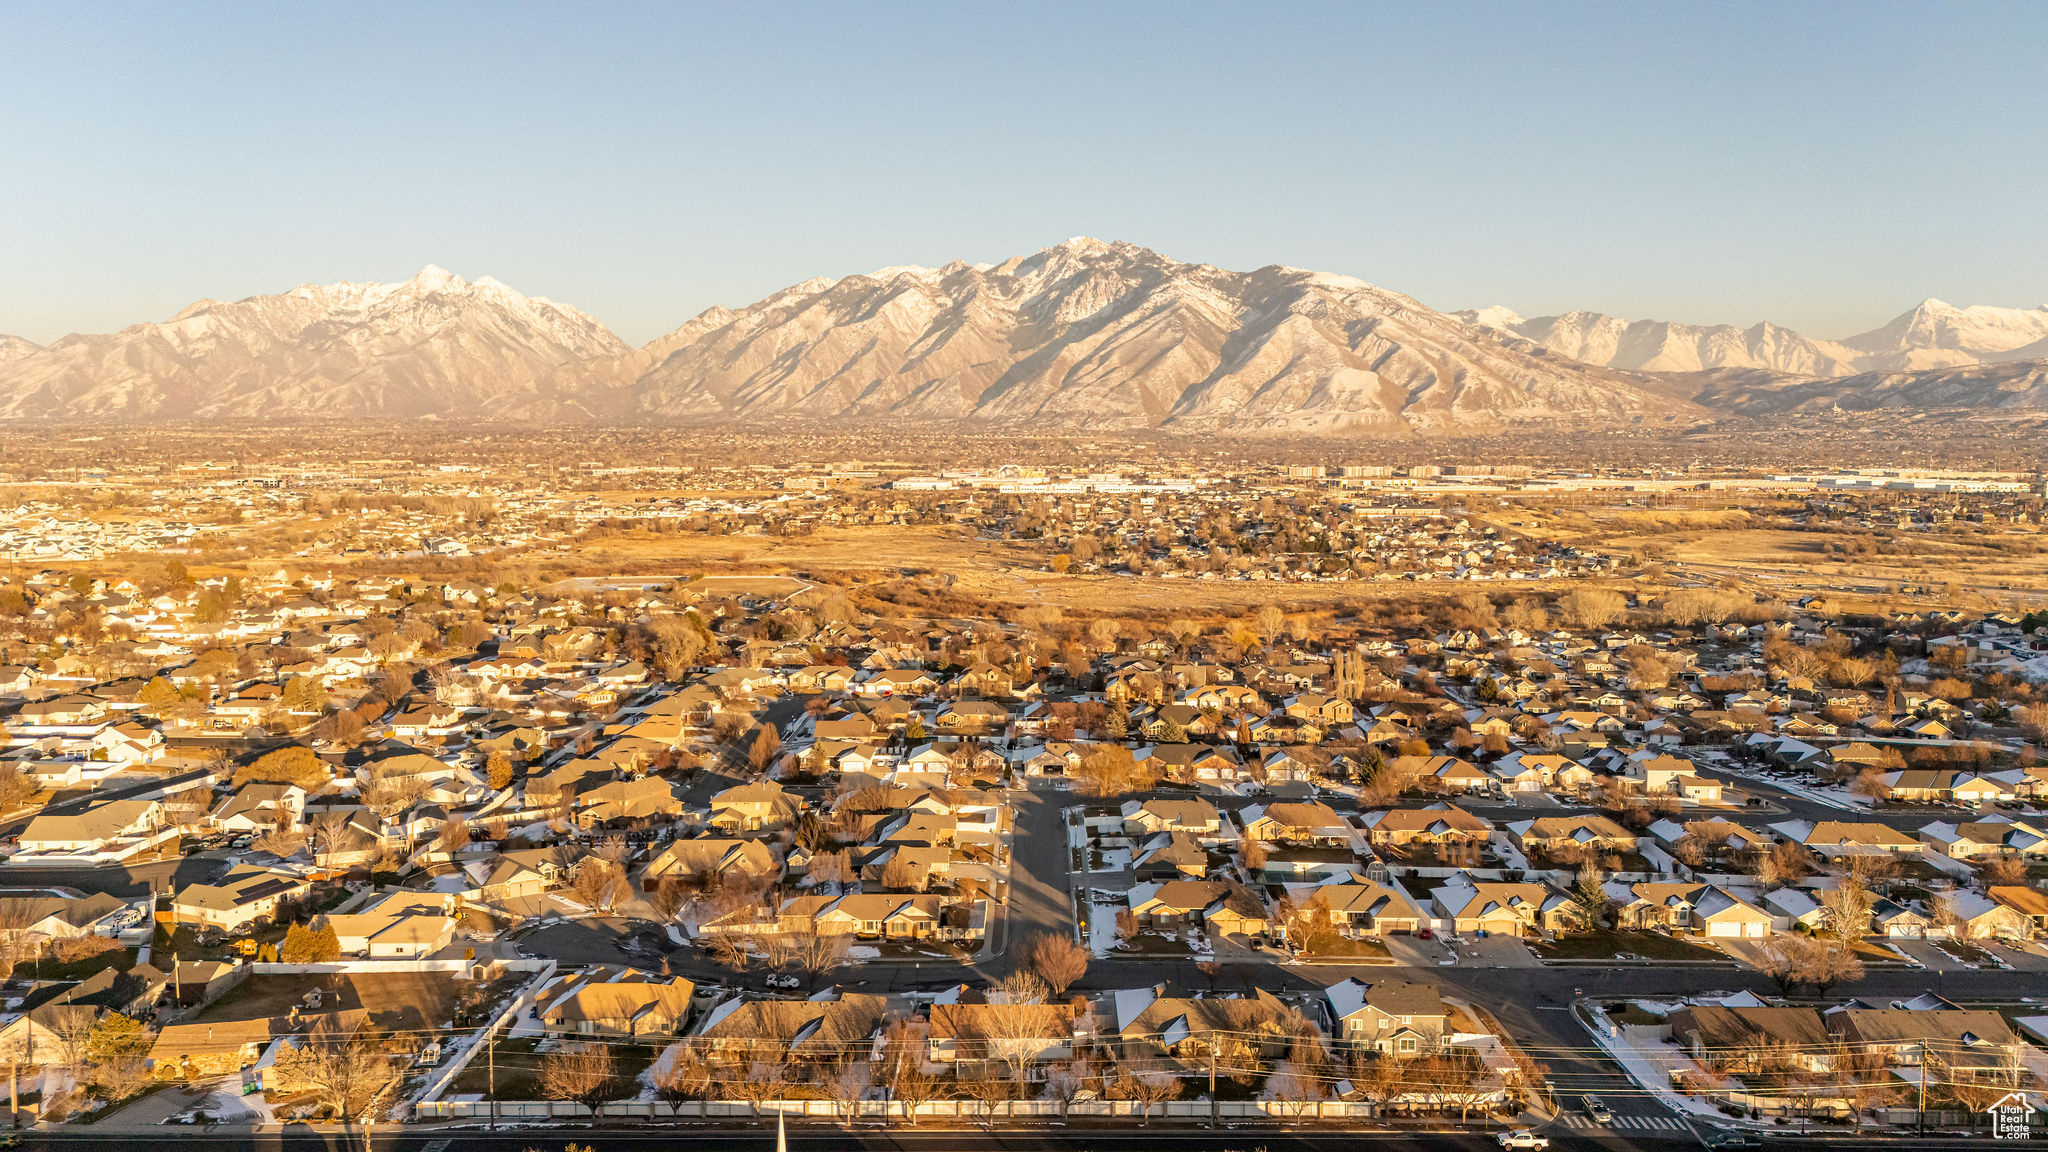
[(1824, 166)]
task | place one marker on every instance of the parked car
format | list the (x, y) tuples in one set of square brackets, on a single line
[(1523, 1138), (1595, 1109), (1733, 1140), (1425, 934)]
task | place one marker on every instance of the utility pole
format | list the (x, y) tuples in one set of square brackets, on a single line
[(491, 1073), (1923, 1090), (1214, 1109)]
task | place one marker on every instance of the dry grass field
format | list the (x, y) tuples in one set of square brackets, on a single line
[(997, 571)]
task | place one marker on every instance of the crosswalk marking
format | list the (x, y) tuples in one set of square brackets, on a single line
[(1644, 1123)]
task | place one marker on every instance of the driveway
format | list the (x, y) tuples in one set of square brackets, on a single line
[(1934, 958), (1419, 953), (1495, 952), (2032, 958), (1748, 953)]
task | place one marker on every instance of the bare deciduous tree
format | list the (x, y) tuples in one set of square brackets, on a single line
[(1057, 959), (579, 1070)]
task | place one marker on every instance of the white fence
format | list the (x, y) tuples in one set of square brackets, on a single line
[(891, 1109), (440, 1078), (371, 966)]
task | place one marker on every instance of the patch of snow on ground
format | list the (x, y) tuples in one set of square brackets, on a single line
[(1102, 935)]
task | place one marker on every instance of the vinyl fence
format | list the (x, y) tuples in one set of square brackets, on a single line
[(892, 1109)]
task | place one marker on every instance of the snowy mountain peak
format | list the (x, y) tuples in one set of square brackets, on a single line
[(432, 345), (1114, 335), (434, 278), (1491, 316)]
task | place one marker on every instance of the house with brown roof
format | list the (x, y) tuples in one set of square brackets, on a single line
[(1366, 908), (626, 1004), (1967, 1045), (1394, 1017), (1296, 823), (1436, 824), (1753, 1039), (712, 856), (982, 1040), (1192, 815), (2031, 903), (1587, 832), (211, 1049), (1220, 905), (757, 807), (742, 1030), (1145, 1023)]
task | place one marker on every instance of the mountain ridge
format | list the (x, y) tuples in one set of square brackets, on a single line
[(1085, 333), (1931, 335)]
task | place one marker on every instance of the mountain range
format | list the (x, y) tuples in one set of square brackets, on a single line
[(1933, 335), (1083, 333)]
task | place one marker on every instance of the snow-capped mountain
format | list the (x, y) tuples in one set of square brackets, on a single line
[(1937, 334), (1114, 335), (1084, 333), (1659, 346), (1931, 335), (435, 345)]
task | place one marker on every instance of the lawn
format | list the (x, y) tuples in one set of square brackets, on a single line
[(1153, 944), (50, 968), (518, 1064), (1608, 945), (1327, 945)]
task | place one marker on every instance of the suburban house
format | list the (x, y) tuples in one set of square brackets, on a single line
[(1995, 836), (1296, 823), (1393, 1017), (1974, 1046), (1561, 835), (1753, 1039), (1195, 817), (248, 895), (627, 1004), (1367, 908), (712, 857), (1515, 909), (1188, 1031), (1437, 824), (1221, 905), (756, 807), (740, 1030), (980, 1040)]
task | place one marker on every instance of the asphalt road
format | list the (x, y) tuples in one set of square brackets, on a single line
[(1038, 900), (805, 1139)]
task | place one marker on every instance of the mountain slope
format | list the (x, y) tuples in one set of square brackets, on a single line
[(1660, 346), (1936, 334), (1114, 335), (433, 346), (2013, 385), (1931, 335), (14, 348)]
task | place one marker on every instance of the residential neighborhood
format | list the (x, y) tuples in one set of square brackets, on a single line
[(593, 847)]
